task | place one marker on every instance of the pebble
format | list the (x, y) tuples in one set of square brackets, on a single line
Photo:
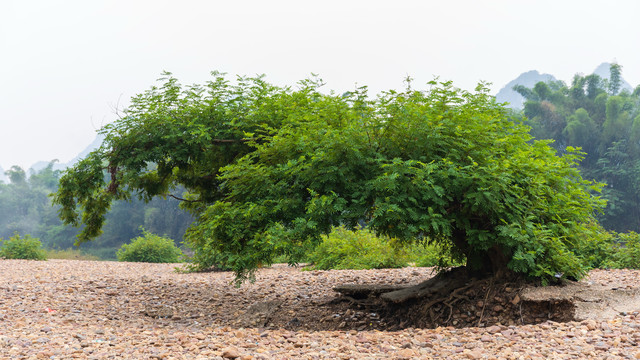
[(493, 329), (103, 317), (230, 353)]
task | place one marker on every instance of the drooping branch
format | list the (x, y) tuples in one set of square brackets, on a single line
[(232, 140), (113, 185), (181, 199)]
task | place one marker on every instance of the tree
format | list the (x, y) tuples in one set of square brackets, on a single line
[(268, 170), (24, 199), (16, 175), (615, 79), (581, 131)]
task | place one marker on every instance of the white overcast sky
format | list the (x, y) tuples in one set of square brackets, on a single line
[(65, 65)]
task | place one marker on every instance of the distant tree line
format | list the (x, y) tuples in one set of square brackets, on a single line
[(594, 114), (25, 208)]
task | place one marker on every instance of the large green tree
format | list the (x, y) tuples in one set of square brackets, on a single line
[(268, 169)]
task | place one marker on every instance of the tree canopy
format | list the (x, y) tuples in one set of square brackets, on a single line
[(269, 169)]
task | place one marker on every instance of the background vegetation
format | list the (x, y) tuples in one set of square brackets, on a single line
[(25, 208), (593, 114)]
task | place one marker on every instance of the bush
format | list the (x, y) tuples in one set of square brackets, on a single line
[(624, 251), (596, 247), (205, 259), (427, 255), (26, 247), (359, 249), (150, 248)]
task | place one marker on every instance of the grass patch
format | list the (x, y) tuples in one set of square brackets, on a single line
[(70, 254)]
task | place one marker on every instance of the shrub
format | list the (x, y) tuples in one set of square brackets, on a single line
[(359, 249), (205, 259), (26, 247), (150, 248), (624, 252), (427, 255), (596, 246)]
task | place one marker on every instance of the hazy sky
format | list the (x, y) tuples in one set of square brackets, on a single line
[(65, 65)]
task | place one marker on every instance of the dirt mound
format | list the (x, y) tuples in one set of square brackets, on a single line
[(590, 301)]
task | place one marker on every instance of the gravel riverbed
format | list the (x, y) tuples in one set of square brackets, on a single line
[(69, 309)]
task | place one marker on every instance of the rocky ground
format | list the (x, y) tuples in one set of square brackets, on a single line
[(61, 309)]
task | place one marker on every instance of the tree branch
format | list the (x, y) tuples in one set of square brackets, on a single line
[(181, 199), (232, 140)]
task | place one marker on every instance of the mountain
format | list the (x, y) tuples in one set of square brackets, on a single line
[(528, 79), (3, 177), (61, 166)]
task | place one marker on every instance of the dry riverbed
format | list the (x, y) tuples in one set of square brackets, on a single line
[(62, 309)]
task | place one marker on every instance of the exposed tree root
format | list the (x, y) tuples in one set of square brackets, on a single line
[(453, 298), (439, 286)]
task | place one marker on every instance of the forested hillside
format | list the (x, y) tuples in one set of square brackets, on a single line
[(602, 117)]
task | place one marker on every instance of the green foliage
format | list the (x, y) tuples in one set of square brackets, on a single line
[(268, 170), (359, 249), (431, 254), (172, 135), (615, 80), (25, 207), (603, 121), (206, 259), (26, 247), (150, 248), (624, 251), (24, 202)]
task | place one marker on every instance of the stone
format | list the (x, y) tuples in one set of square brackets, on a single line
[(591, 324), (474, 354), (493, 329), (230, 353), (405, 354)]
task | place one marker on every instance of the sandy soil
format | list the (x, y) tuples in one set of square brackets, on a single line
[(62, 309)]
